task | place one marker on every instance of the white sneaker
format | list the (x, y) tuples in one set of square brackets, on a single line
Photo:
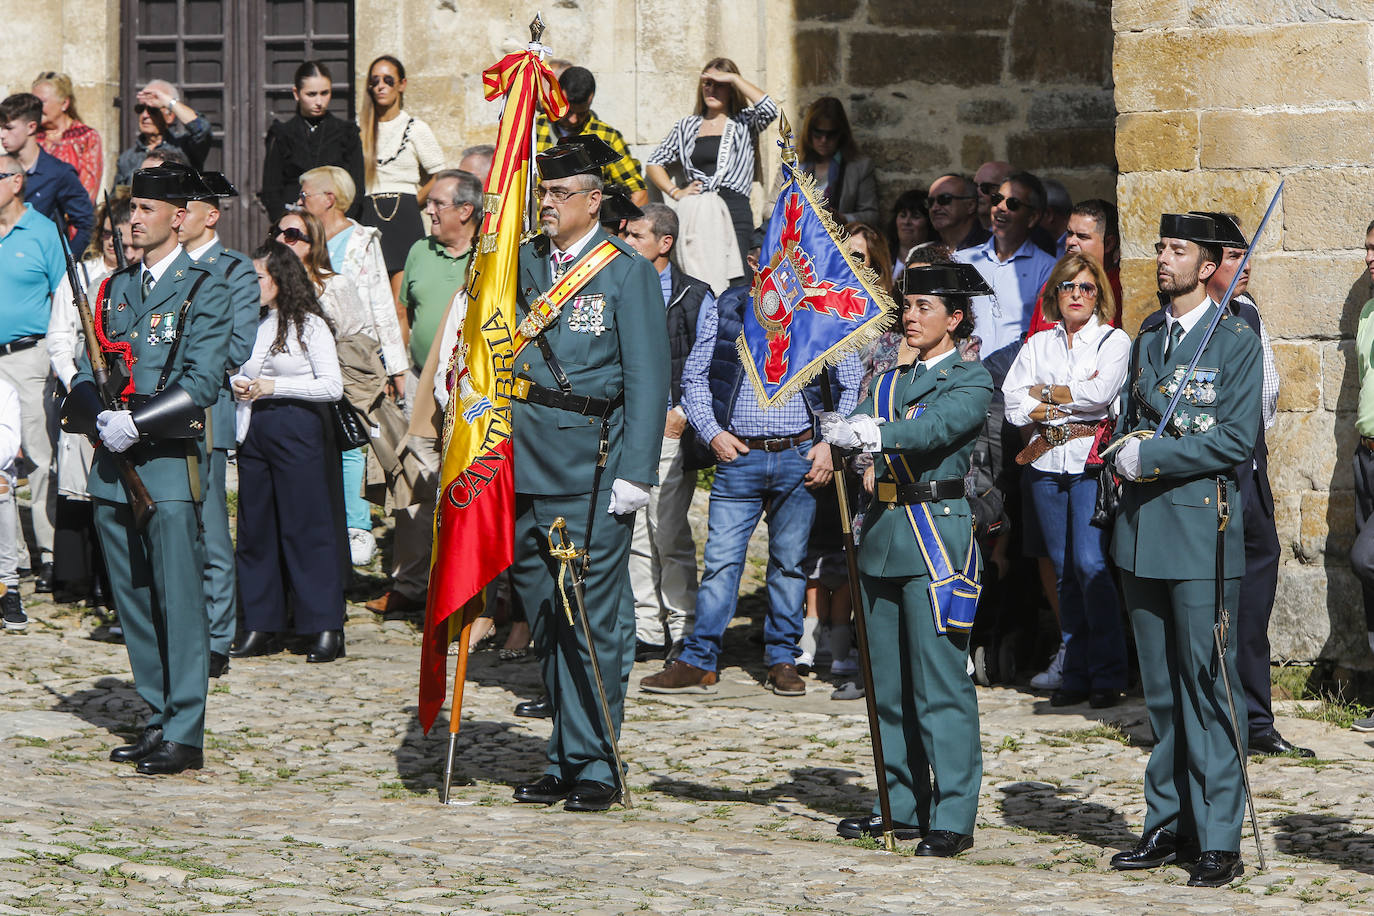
[(1052, 678), (805, 660), (361, 546)]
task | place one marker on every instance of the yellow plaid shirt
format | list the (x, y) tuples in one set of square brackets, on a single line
[(624, 171)]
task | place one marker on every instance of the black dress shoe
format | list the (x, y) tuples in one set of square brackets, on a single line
[(1103, 699), (1271, 743), (326, 647), (219, 663), (145, 745), (541, 708), (944, 843), (43, 582), (256, 642), (648, 652), (853, 828), (1215, 868), (590, 795), (171, 758), (1063, 697), (545, 790), (1157, 847)]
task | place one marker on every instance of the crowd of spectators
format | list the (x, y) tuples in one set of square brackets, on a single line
[(370, 241)]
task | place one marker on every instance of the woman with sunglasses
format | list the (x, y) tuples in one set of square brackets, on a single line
[(289, 536), (826, 151), (312, 137), (401, 158), (357, 334), (1060, 388), (717, 147), (64, 135)]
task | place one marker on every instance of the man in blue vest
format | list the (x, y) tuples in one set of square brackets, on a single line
[(768, 463)]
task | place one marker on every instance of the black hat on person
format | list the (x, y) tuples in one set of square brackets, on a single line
[(583, 154), (617, 206), (1191, 227), (216, 186), (169, 181), (949, 278), (1228, 234)]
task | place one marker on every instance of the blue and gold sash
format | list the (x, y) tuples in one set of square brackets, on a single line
[(953, 593)]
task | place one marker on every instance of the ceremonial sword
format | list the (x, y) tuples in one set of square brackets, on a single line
[(1221, 627)]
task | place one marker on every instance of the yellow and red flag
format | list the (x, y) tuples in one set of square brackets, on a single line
[(475, 516)]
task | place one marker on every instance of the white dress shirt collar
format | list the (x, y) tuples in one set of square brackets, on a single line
[(195, 254), (160, 268)]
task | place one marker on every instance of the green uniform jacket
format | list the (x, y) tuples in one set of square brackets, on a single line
[(1167, 528), (245, 303), (556, 450), (199, 366), (937, 445)]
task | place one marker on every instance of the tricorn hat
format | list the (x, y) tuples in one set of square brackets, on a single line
[(1191, 227), (583, 154), (616, 205), (1227, 234), (947, 278), (169, 181), (216, 186)]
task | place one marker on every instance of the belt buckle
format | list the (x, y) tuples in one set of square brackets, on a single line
[(520, 388), (1055, 435), (776, 444), (886, 491)]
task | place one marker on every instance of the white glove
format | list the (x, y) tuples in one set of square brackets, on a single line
[(117, 429), (837, 429), (1127, 460), (628, 497), (870, 439)]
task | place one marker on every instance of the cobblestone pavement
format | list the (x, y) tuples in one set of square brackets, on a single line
[(319, 796)]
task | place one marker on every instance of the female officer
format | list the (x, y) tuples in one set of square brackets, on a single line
[(918, 563)]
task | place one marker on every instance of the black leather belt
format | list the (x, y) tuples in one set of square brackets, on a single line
[(779, 443), (522, 389), (921, 492), (23, 343)]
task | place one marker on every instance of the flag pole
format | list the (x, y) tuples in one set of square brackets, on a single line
[(455, 709), (789, 160)]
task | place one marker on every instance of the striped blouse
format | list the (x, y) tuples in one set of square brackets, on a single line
[(734, 163)]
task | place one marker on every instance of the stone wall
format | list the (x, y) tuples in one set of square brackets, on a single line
[(1219, 101), (945, 85)]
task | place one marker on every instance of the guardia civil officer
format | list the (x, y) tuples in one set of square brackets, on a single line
[(199, 237), (164, 322), (919, 564), (594, 382), (1167, 544)]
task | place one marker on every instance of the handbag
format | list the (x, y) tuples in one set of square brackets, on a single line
[(350, 431), (1108, 501)]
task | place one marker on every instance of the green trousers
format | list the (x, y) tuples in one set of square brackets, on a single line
[(1193, 783), (219, 556), (927, 708), (156, 576), (579, 747)]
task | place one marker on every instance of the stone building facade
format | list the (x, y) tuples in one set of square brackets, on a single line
[(1163, 104)]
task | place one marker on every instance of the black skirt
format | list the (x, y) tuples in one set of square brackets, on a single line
[(398, 218)]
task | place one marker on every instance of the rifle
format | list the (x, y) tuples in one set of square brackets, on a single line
[(120, 261), (109, 386)]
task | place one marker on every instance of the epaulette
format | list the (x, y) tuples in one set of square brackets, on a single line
[(131, 268), (623, 245), (1236, 323), (541, 244), (1152, 321)]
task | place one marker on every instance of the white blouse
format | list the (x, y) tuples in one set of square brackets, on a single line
[(309, 375), (1094, 370), (66, 338), (405, 144)]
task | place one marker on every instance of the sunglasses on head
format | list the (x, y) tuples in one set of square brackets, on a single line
[(381, 78), (944, 200), (1013, 204), (290, 234)]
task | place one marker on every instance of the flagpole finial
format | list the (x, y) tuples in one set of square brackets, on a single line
[(536, 28), (789, 152)]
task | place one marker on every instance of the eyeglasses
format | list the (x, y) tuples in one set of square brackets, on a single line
[(820, 133), (438, 206), (1013, 203), (140, 108), (290, 234), (988, 188), (858, 257), (559, 195), (305, 195), (381, 78), (944, 200), (4, 175), (1088, 290)]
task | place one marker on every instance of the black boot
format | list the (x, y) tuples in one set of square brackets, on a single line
[(145, 745), (1157, 847), (256, 642), (327, 646)]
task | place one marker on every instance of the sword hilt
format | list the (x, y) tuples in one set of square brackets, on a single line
[(560, 548)]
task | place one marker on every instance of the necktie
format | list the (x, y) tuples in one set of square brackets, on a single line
[(561, 262), (1175, 335), (920, 370), (147, 283)]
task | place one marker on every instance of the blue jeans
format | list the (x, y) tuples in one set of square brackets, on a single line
[(1089, 613), (744, 489), (357, 513)]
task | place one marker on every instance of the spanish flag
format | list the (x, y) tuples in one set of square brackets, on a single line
[(475, 516)]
